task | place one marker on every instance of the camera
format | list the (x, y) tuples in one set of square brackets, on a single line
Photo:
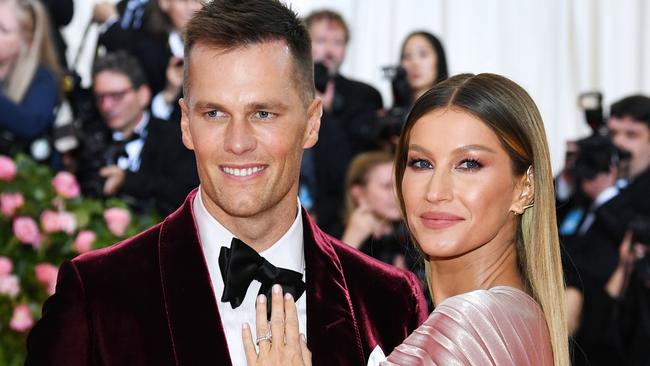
[(391, 123), (592, 104)]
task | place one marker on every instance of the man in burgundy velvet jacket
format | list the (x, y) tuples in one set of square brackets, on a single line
[(156, 298)]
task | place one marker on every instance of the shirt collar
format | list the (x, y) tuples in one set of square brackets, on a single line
[(140, 128), (604, 196), (287, 252)]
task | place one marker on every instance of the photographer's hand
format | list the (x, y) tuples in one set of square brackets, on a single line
[(328, 96), (114, 179), (614, 285)]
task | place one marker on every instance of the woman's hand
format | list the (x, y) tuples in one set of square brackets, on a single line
[(279, 340)]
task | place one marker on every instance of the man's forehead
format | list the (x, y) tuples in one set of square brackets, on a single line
[(627, 122)]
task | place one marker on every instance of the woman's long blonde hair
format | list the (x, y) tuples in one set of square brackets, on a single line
[(512, 115), (38, 48)]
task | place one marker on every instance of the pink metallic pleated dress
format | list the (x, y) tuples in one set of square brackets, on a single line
[(499, 326)]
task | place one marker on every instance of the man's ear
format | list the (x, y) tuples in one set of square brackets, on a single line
[(144, 95), (524, 194), (185, 125), (314, 113)]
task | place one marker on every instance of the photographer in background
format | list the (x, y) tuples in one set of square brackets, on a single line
[(591, 250), (128, 153), (422, 65), (629, 293), (347, 123)]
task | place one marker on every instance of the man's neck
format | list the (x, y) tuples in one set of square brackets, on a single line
[(128, 130), (260, 231)]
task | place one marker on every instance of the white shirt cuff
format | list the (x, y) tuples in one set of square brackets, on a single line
[(376, 356)]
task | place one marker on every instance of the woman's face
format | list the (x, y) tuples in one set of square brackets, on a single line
[(458, 186), (420, 61), (11, 39), (378, 193)]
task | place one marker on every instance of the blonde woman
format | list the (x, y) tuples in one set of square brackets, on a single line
[(474, 182), (372, 215), (29, 89)]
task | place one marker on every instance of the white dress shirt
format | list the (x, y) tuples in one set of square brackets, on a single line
[(288, 252), (604, 196)]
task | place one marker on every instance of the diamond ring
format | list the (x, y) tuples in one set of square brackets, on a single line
[(266, 337)]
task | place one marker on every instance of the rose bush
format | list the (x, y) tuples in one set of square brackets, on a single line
[(44, 221)]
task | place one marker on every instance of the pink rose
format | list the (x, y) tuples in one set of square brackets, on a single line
[(67, 222), (9, 285), (117, 219), (26, 231), (84, 241), (46, 275), (7, 169), (65, 185), (22, 320), (50, 221), (10, 202), (6, 266)]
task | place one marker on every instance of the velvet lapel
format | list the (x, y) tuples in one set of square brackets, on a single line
[(193, 317), (332, 330)]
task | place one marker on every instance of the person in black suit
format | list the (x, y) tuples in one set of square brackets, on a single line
[(156, 43), (130, 154), (349, 113)]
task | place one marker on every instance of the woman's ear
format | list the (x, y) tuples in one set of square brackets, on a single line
[(524, 194)]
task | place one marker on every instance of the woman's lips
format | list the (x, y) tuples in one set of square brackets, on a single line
[(440, 220)]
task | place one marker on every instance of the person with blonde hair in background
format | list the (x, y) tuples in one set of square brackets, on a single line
[(29, 70), (372, 213)]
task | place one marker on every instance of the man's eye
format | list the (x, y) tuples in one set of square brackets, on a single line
[(264, 115), (212, 114)]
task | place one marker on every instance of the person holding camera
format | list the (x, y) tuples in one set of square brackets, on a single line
[(128, 153), (349, 116), (422, 65)]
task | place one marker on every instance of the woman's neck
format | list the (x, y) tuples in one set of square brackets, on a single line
[(485, 267)]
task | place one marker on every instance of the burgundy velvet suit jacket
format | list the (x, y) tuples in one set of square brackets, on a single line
[(149, 301)]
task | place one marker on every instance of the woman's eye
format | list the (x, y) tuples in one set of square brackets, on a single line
[(419, 164), (470, 164)]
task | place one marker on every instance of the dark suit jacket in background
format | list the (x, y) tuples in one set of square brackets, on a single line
[(346, 131), (149, 301)]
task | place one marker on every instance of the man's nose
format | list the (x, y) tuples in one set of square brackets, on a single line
[(239, 137)]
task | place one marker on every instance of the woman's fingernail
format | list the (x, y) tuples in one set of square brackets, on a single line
[(261, 299), (288, 296), (244, 326), (277, 289), (303, 338)]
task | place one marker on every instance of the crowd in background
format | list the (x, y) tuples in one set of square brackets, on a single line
[(123, 139)]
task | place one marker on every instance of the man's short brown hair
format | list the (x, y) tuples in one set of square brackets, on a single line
[(230, 24), (329, 16)]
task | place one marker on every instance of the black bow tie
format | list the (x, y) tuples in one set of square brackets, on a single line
[(240, 264)]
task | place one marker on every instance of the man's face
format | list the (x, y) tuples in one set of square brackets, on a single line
[(120, 105), (634, 137), (246, 120), (328, 44)]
